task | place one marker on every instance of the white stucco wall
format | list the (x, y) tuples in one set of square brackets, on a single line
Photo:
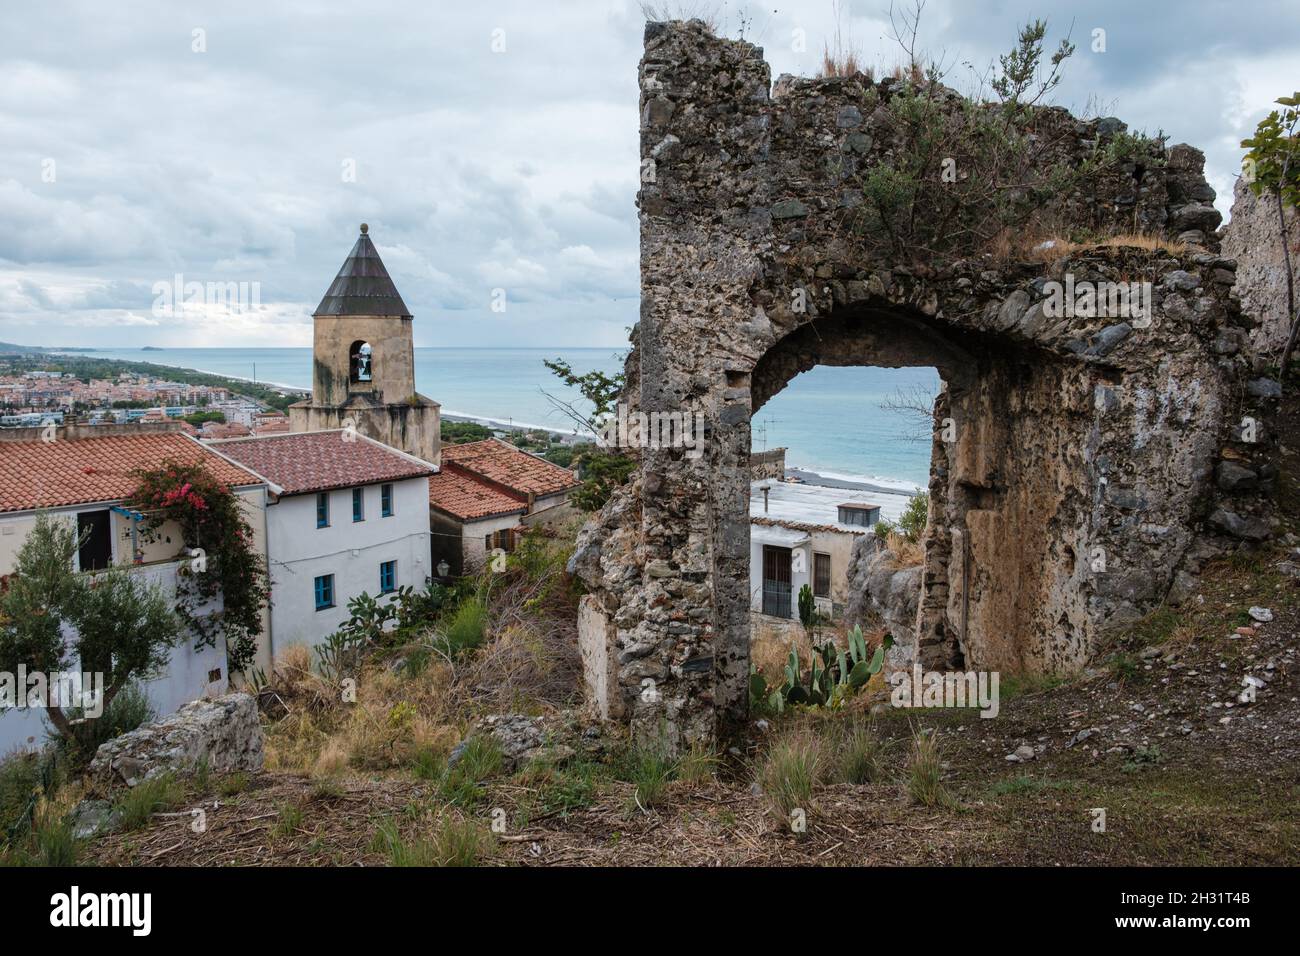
[(837, 544), (474, 535), (299, 552)]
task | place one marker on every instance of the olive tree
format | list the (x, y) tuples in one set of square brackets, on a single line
[(53, 620)]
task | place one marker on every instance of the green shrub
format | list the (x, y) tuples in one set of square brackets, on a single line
[(129, 710), (137, 806), (911, 524), (467, 626), (24, 779)]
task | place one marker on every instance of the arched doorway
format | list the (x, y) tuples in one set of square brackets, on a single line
[(1074, 457)]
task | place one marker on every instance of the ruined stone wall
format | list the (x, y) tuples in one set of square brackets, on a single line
[(1254, 237), (1083, 466)]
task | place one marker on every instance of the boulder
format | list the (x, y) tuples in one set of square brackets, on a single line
[(224, 732)]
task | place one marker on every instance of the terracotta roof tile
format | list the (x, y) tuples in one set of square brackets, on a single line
[(508, 466), (38, 474), (468, 498), (303, 462)]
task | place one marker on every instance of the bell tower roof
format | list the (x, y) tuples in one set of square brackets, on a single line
[(363, 286)]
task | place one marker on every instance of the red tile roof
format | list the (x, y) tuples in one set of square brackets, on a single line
[(38, 474), (514, 470), (468, 498), (303, 462)]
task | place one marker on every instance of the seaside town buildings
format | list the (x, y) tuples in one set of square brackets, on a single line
[(345, 516), (351, 493)]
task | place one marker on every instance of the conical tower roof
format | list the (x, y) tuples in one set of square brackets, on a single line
[(363, 286)]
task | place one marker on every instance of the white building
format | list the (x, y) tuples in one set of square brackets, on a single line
[(802, 534), (83, 481), (347, 515)]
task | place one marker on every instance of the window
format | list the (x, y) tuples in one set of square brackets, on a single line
[(386, 501), (324, 592), (821, 575), (323, 510), (388, 577), (360, 362), (505, 540), (862, 515), (358, 505), (94, 531)]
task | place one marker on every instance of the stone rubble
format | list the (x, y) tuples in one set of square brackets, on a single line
[(224, 731)]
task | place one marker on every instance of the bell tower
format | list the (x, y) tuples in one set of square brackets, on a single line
[(363, 361)]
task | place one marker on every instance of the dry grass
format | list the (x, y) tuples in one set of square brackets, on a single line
[(1031, 246), (907, 553), (791, 770), (842, 63), (414, 703), (706, 12), (770, 644)]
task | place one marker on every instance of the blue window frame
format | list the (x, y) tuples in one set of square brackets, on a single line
[(323, 510), (324, 592), (386, 501), (358, 505), (388, 577)]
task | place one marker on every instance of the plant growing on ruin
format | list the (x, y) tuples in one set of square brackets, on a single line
[(1019, 83), (221, 559), (122, 627), (912, 522), (960, 172), (1272, 165), (602, 469)]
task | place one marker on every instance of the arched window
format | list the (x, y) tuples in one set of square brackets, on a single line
[(360, 362)]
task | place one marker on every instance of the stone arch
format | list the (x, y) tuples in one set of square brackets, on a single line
[(1091, 468), (361, 363)]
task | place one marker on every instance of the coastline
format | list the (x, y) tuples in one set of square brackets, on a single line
[(823, 477)]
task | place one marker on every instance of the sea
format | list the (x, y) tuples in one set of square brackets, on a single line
[(836, 422)]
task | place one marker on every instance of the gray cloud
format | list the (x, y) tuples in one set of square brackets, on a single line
[(476, 169)]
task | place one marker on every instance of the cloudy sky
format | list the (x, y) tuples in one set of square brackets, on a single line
[(489, 145)]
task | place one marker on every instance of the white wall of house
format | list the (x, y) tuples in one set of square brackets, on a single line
[(474, 539), (800, 545), (352, 551), (549, 510), (838, 545)]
